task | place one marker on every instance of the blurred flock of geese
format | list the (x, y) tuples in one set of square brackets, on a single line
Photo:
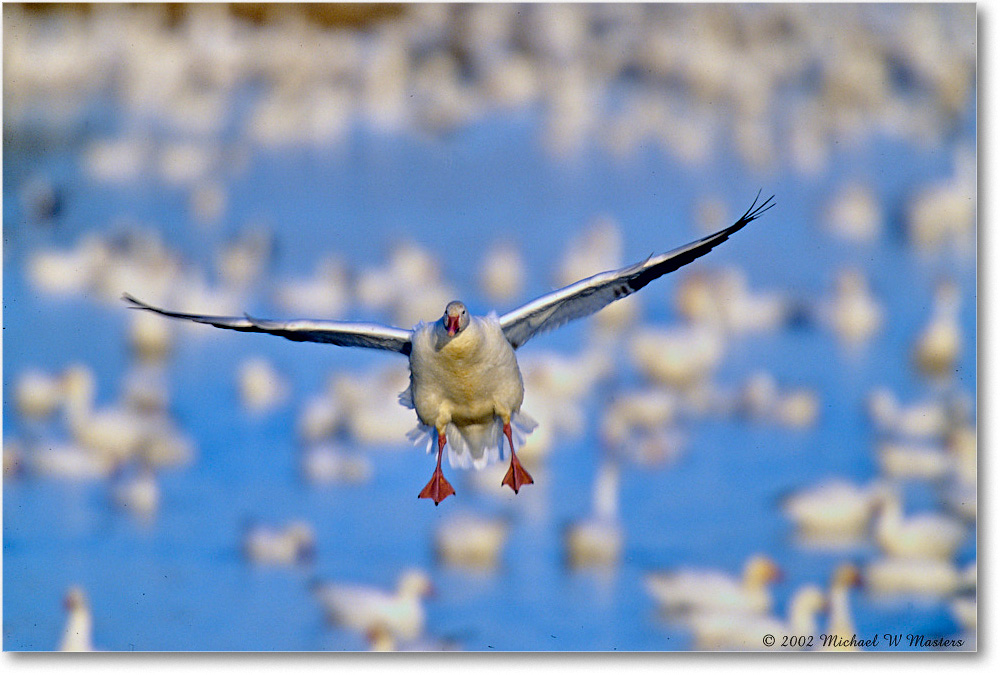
[(434, 68)]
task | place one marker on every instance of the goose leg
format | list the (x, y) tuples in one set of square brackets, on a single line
[(438, 488), (516, 474)]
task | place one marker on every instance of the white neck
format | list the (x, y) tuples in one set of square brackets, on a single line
[(76, 635)]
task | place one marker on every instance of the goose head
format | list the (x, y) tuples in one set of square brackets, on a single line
[(79, 386), (807, 602), (455, 318), (760, 571), (415, 584), (846, 576), (75, 600)]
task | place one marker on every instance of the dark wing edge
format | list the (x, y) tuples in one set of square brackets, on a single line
[(589, 295), (342, 333)]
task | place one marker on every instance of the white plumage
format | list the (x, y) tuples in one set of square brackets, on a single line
[(687, 590), (366, 609), (79, 624), (740, 631), (924, 535)]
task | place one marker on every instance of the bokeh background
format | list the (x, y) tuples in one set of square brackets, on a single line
[(372, 162)]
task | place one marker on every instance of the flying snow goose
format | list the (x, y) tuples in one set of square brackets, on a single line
[(465, 384)]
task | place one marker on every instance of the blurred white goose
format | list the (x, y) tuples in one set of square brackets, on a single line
[(112, 432), (925, 535), (369, 401), (468, 540), (643, 410), (939, 344), (678, 356), (841, 622), (964, 610), (921, 419), (502, 273), (762, 399), (909, 576), (854, 213), (382, 640), (686, 590), (38, 394), (68, 272), (597, 541), (597, 248), (262, 388), (465, 384), (853, 313), (326, 292), (243, 259), (721, 630), (914, 460), (150, 337), (327, 463), (363, 608), (67, 461), (287, 545), (319, 418), (963, 446), (137, 493), (834, 510), (79, 624), (724, 296)]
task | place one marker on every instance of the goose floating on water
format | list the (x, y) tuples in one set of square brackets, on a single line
[(364, 608), (79, 623), (689, 590), (465, 384)]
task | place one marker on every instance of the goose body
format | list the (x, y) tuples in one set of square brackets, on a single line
[(923, 535), (597, 540), (79, 623), (841, 621), (467, 386), (465, 383), (692, 590), (471, 541), (721, 630), (289, 545), (939, 345), (834, 509), (931, 578), (362, 608)]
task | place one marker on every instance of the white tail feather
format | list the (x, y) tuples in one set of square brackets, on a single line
[(476, 445)]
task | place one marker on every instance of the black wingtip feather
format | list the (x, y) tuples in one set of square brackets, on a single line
[(756, 211)]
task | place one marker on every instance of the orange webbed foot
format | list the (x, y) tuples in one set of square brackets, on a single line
[(517, 475), (438, 488)]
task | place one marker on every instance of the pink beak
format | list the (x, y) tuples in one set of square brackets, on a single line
[(451, 323)]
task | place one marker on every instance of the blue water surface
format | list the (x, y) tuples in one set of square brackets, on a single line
[(179, 582)]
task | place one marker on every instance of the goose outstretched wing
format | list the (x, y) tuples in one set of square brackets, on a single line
[(343, 333), (589, 295)]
